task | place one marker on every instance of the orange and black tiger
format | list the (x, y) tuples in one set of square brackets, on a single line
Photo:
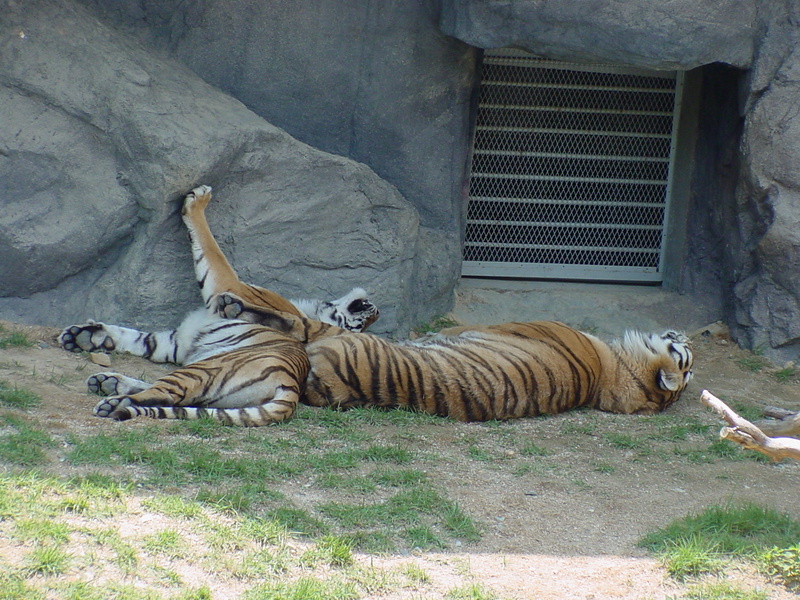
[(253, 368), (481, 373)]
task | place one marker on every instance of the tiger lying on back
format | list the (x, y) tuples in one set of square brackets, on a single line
[(471, 374), (215, 275), (489, 372), (467, 373)]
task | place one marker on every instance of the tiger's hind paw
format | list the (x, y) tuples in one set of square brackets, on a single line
[(114, 384), (229, 306), (197, 199), (114, 407), (103, 384), (89, 337)]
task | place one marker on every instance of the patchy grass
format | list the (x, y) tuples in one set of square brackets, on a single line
[(357, 504), (14, 339), (721, 535), (754, 363), (14, 397)]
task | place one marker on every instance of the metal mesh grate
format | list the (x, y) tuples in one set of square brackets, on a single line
[(570, 170)]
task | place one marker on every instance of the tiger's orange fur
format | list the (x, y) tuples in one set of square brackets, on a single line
[(216, 275)]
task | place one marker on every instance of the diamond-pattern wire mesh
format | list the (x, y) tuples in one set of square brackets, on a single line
[(570, 166)]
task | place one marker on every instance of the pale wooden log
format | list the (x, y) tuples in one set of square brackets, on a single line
[(783, 422), (748, 435)]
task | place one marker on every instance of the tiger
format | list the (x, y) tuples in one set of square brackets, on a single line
[(230, 370), (233, 372), (482, 373), (353, 310)]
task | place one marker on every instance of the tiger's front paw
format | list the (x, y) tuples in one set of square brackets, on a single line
[(114, 407), (197, 199), (89, 337), (229, 306)]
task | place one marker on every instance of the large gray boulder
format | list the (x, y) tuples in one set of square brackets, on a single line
[(100, 140), (380, 84)]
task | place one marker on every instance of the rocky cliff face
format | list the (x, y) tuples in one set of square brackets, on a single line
[(106, 132), (100, 140)]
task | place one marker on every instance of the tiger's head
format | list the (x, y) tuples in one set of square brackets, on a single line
[(662, 363), (354, 311)]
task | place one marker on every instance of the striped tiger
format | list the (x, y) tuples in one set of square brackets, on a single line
[(234, 372), (487, 372), (353, 312)]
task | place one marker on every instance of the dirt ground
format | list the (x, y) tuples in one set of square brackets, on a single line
[(563, 533)]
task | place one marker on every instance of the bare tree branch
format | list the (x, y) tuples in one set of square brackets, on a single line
[(748, 435), (782, 422)]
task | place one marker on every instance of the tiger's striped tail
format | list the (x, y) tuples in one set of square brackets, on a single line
[(253, 416)]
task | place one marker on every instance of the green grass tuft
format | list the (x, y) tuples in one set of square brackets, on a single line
[(706, 542), (14, 339), (436, 324), (14, 397), (27, 446), (46, 560), (305, 588), (740, 529), (723, 591), (472, 591)]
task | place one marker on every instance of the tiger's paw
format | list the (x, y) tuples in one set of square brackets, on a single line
[(229, 306), (197, 199), (103, 384), (114, 384), (114, 407), (89, 337)]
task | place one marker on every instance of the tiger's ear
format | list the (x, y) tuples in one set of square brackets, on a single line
[(669, 381)]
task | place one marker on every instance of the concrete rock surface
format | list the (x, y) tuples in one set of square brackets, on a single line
[(101, 139)]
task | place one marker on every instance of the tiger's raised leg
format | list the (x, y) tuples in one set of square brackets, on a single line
[(213, 271), (202, 389)]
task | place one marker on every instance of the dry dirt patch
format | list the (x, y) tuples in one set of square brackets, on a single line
[(564, 530)]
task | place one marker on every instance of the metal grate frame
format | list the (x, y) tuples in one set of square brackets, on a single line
[(571, 169)]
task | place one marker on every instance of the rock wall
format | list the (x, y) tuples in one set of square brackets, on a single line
[(100, 140), (376, 82), (682, 34), (766, 277)]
